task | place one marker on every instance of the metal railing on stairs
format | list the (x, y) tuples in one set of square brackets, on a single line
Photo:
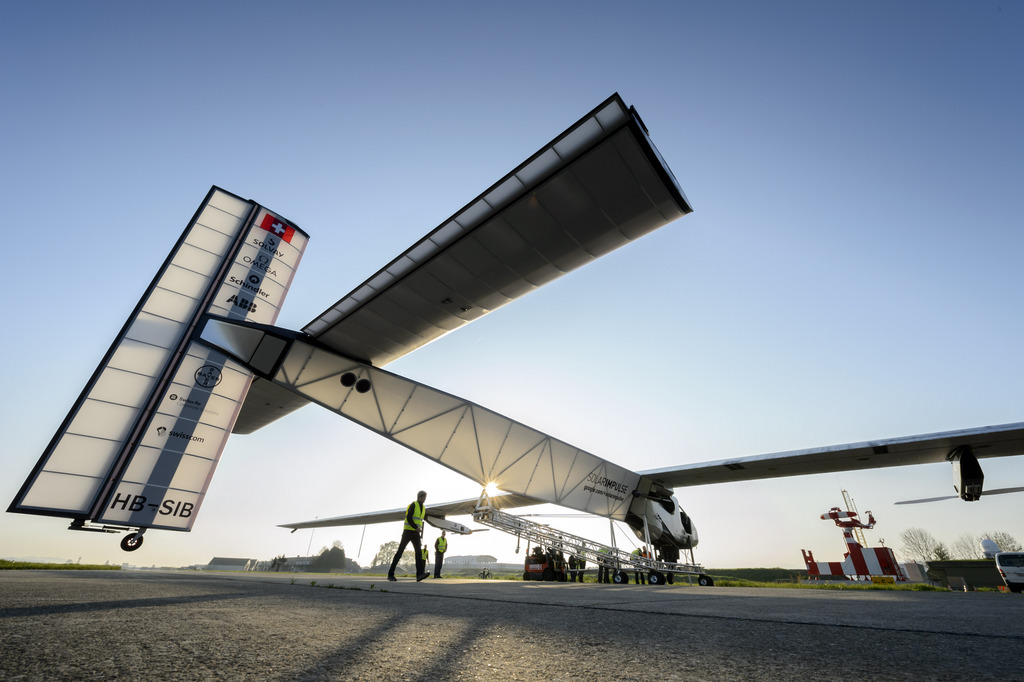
[(549, 538)]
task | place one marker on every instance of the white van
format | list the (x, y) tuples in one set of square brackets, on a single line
[(1011, 567)]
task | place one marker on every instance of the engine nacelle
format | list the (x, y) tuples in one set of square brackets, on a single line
[(968, 478)]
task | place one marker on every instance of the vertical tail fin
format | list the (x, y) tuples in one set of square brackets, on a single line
[(140, 445)]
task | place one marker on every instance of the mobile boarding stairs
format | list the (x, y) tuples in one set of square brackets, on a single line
[(620, 561)]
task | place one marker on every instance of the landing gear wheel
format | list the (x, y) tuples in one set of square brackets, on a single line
[(131, 542), (620, 578), (705, 581), (656, 578)]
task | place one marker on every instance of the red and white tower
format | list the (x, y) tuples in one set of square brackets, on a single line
[(859, 562)]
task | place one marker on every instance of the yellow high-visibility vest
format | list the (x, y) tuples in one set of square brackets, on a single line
[(441, 545), (417, 516)]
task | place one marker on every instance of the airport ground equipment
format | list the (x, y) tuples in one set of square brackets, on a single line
[(539, 535), (545, 564), (859, 562)]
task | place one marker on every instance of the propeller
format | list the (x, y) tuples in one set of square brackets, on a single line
[(997, 491)]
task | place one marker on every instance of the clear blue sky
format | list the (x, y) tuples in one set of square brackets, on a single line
[(851, 271)]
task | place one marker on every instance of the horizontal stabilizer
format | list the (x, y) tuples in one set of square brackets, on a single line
[(596, 187)]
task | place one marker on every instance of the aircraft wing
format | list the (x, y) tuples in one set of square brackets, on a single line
[(988, 441), (462, 507), (597, 186)]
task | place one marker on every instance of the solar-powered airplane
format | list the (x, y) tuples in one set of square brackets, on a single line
[(199, 358)]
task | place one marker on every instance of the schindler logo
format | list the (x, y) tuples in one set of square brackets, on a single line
[(208, 376)]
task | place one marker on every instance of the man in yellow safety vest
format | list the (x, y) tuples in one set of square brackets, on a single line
[(412, 531), (440, 547)]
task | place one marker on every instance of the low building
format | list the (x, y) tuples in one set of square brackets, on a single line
[(470, 561), (219, 563), (959, 574)]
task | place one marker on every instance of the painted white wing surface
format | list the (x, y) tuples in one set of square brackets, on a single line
[(596, 187), (459, 508), (989, 441), (140, 445)]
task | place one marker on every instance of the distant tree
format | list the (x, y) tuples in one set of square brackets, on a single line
[(966, 547), (330, 558), (941, 553), (1006, 542), (918, 544), (385, 553)]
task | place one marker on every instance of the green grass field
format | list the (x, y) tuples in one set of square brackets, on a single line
[(31, 565)]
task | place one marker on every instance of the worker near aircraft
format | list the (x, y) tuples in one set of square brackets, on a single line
[(581, 565), (426, 557), (576, 564), (412, 531), (604, 565), (639, 575), (440, 547), (669, 554)]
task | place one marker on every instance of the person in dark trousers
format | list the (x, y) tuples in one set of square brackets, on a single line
[(604, 566), (669, 554), (440, 547), (412, 531), (640, 575)]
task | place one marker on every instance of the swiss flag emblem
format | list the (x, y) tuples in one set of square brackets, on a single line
[(278, 227)]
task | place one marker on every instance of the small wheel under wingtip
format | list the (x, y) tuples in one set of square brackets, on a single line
[(131, 542)]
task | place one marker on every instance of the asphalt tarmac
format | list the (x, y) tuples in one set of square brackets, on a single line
[(165, 625)]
